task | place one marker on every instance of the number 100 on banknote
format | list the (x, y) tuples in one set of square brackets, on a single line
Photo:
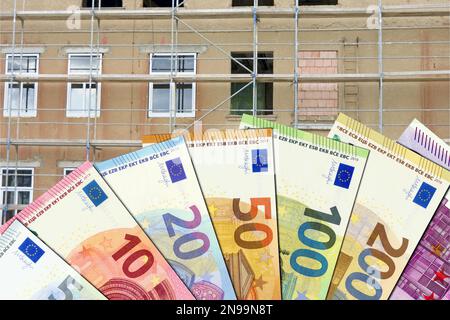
[(317, 181)]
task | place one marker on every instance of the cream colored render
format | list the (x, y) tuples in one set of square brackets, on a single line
[(410, 44)]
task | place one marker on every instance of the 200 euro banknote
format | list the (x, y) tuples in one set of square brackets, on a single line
[(399, 194), (317, 181), (83, 221), (427, 275), (30, 270), (235, 169), (159, 187)]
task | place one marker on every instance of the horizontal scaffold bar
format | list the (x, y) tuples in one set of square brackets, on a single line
[(73, 143), (262, 12), (408, 76)]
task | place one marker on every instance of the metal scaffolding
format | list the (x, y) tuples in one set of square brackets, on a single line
[(177, 17)]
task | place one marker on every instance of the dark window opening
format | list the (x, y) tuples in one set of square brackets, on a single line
[(265, 62), (249, 3), (162, 3), (317, 2), (242, 102), (104, 3)]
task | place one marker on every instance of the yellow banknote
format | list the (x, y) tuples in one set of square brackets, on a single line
[(236, 172), (399, 194), (317, 180)]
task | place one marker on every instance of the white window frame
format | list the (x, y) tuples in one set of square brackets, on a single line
[(172, 87), (6, 106), (84, 114), (14, 189)]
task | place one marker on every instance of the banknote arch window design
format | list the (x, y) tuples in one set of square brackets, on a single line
[(161, 94), (16, 191), (80, 95), (20, 99), (242, 100)]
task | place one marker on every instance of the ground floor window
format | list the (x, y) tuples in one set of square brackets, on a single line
[(16, 191)]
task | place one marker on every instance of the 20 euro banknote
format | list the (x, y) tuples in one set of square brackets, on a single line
[(317, 181), (159, 187), (83, 221), (427, 275), (30, 270), (235, 169), (399, 194)]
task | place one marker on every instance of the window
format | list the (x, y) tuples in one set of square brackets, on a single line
[(80, 94), (21, 98), (248, 3), (16, 191), (318, 99), (104, 3), (184, 93), (316, 2), (243, 101), (162, 3), (68, 171)]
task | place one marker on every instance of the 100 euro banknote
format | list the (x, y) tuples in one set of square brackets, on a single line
[(317, 181), (235, 169), (83, 221), (427, 275), (399, 194), (29, 270), (159, 187)]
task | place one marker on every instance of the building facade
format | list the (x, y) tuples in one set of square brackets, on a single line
[(86, 79)]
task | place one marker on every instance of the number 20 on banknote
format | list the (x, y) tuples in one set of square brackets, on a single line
[(170, 220), (370, 274)]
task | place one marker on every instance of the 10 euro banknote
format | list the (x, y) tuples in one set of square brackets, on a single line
[(399, 194), (427, 275), (83, 221), (29, 270), (159, 187), (235, 169), (317, 181)]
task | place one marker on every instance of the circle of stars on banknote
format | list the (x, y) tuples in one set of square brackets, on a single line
[(95, 193)]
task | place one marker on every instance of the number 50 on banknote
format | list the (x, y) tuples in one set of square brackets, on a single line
[(317, 180)]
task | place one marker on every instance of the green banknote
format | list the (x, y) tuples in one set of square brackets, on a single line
[(317, 181)]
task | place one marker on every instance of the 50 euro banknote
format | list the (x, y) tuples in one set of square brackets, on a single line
[(427, 275), (317, 181), (235, 169), (159, 187), (82, 220), (399, 194), (30, 270)]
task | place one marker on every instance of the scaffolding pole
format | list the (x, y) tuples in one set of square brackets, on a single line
[(255, 59), (296, 66), (380, 65)]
